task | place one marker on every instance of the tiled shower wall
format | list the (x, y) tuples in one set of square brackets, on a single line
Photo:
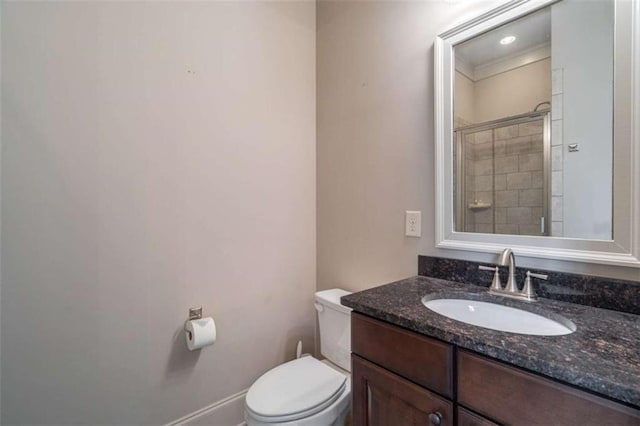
[(557, 163), (504, 172)]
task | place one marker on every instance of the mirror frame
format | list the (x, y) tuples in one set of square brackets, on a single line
[(624, 248)]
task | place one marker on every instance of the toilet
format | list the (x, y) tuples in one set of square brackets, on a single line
[(306, 391)]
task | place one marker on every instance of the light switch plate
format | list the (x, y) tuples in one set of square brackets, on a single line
[(413, 223)]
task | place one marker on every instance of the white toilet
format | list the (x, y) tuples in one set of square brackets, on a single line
[(306, 391)]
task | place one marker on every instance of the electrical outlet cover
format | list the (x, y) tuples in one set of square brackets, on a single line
[(413, 223)]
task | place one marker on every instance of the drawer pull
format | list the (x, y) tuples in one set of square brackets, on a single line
[(435, 418)]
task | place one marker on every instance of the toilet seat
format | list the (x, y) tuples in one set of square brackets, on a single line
[(294, 390)]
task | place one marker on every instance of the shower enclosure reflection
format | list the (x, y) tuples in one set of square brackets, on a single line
[(533, 124), (503, 177)]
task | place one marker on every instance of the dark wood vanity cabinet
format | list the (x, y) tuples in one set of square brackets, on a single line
[(423, 360), (386, 399), (394, 374), (513, 396), (404, 378)]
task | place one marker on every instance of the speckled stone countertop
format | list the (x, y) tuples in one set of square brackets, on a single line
[(602, 355)]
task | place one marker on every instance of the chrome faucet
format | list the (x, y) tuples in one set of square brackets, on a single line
[(511, 289), (508, 258)]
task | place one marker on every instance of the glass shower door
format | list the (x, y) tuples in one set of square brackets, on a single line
[(502, 180)]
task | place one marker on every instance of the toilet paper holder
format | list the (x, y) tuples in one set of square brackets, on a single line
[(194, 314)]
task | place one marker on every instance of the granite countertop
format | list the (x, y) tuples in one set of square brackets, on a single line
[(602, 355)]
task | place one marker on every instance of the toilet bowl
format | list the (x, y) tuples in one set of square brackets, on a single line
[(304, 391), (307, 391)]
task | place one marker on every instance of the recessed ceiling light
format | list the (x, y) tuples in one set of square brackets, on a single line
[(508, 40)]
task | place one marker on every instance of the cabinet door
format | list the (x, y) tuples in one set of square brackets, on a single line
[(383, 398)]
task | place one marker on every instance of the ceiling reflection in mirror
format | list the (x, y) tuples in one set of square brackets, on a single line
[(533, 125)]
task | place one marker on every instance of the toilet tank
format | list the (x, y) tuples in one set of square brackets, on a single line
[(334, 321)]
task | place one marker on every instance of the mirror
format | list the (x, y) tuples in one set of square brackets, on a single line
[(521, 90), (536, 138)]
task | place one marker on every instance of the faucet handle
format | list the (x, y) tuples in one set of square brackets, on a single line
[(495, 284), (527, 290), (540, 276)]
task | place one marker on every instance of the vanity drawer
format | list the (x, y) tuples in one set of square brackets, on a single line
[(513, 396), (421, 359)]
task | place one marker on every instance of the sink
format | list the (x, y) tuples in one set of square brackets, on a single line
[(500, 317)]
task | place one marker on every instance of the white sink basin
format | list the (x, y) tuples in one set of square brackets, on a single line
[(499, 317)]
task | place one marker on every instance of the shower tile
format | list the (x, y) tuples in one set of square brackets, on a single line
[(556, 183), (557, 211), (507, 164), (537, 179), (484, 167), (469, 152), (519, 180), (507, 229), (470, 183), (556, 158), (506, 198), (531, 229), (530, 162), (500, 215), (500, 182), (556, 108), (470, 196), (484, 136), (484, 183), (518, 145), (556, 229), (531, 197), (537, 143), (507, 132), (499, 148), (536, 213), (556, 132), (484, 216), (530, 128), (485, 228), (470, 167), (519, 215), (484, 196), (483, 150), (470, 138), (557, 82)]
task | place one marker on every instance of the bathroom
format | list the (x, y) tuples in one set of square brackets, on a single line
[(238, 156)]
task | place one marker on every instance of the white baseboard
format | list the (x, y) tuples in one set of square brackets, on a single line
[(226, 412)]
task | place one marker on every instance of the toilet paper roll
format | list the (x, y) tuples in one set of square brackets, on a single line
[(200, 333)]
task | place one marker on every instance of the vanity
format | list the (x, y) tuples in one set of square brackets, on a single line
[(523, 177), (413, 366)]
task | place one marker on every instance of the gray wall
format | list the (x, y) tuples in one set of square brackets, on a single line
[(371, 150), (156, 156), (376, 145)]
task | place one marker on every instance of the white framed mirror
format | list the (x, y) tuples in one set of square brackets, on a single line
[(537, 128)]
